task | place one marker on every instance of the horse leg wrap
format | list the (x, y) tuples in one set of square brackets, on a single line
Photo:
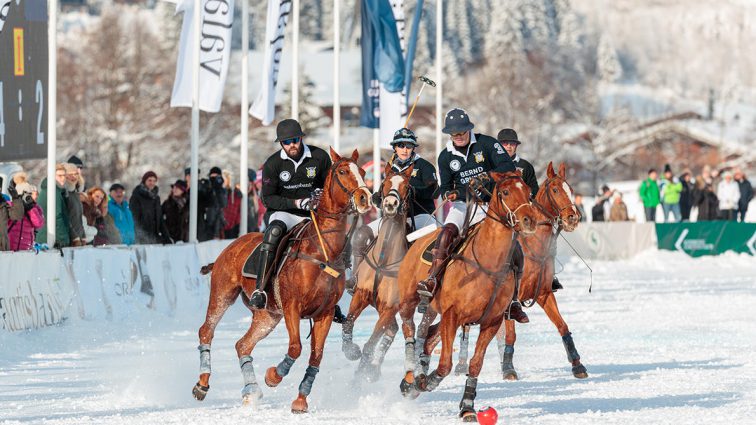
[(284, 367), (507, 367), (569, 347), (428, 382), (424, 362), (348, 347), (409, 354), (306, 385), (464, 339), (383, 347), (248, 374), (468, 397), (204, 350)]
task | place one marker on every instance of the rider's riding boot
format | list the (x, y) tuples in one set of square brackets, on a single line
[(555, 285), (362, 239), (268, 248), (426, 288), (338, 316), (515, 308)]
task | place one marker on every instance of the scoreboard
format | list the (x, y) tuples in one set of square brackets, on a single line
[(23, 79)]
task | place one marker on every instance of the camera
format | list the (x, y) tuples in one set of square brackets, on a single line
[(27, 198)]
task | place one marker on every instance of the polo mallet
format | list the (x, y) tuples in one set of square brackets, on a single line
[(426, 81)]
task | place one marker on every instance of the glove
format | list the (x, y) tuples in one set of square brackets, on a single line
[(305, 204), (451, 195), (376, 198)]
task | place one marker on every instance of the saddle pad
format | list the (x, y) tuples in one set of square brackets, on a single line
[(251, 264), (427, 257)]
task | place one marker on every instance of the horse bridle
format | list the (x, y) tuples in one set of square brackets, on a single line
[(403, 200), (350, 208), (555, 219), (510, 218)]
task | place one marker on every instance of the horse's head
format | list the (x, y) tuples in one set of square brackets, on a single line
[(510, 202), (395, 191), (557, 197), (344, 188)]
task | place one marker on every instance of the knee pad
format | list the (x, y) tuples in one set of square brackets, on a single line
[(274, 233)]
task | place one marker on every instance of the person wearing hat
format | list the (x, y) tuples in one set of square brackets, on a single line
[(670, 189), (289, 177), (118, 209), (424, 184), (215, 195), (148, 217), (509, 141), (175, 211), (467, 159)]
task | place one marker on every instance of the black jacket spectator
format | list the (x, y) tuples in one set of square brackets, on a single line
[(148, 217), (214, 196), (706, 200), (746, 194), (176, 213), (686, 197)]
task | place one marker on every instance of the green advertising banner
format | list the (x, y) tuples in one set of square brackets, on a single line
[(707, 237)]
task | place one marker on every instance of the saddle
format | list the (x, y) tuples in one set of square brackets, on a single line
[(251, 265), (456, 248)]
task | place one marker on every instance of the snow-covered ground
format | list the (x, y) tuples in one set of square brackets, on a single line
[(666, 339)]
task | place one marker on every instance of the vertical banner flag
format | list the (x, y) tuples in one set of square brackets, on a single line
[(411, 49), (382, 60), (215, 52), (264, 107), (393, 102)]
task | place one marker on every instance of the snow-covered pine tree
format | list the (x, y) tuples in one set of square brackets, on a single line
[(311, 116), (608, 65)]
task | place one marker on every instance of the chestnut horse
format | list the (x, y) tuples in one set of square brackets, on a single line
[(302, 289), (477, 287), (377, 276), (556, 212)]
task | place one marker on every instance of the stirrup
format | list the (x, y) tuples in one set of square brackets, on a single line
[(254, 300)]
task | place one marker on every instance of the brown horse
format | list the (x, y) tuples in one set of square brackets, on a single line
[(477, 287), (302, 289), (377, 284), (556, 212)]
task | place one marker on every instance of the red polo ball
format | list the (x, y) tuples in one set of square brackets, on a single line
[(487, 416)]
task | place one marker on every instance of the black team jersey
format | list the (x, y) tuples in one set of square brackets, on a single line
[(285, 180)]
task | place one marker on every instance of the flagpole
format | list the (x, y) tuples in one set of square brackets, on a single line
[(195, 123), (376, 159), (244, 154), (295, 60), (439, 79), (336, 63), (52, 135)]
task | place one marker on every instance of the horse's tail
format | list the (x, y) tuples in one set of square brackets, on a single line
[(206, 269)]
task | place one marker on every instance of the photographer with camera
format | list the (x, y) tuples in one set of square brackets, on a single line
[(21, 232), (216, 197)]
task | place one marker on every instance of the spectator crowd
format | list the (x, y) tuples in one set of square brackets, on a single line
[(91, 216)]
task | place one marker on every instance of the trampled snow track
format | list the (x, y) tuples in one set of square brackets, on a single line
[(665, 338)]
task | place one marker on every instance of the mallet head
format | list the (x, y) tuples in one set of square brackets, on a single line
[(427, 81)]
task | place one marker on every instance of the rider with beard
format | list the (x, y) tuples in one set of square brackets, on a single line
[(467, 159), (509, 140), (289, 178), (424, 184)]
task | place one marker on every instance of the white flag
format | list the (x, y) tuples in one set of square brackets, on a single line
[(264, 107), (393, 106), (215, 53)]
